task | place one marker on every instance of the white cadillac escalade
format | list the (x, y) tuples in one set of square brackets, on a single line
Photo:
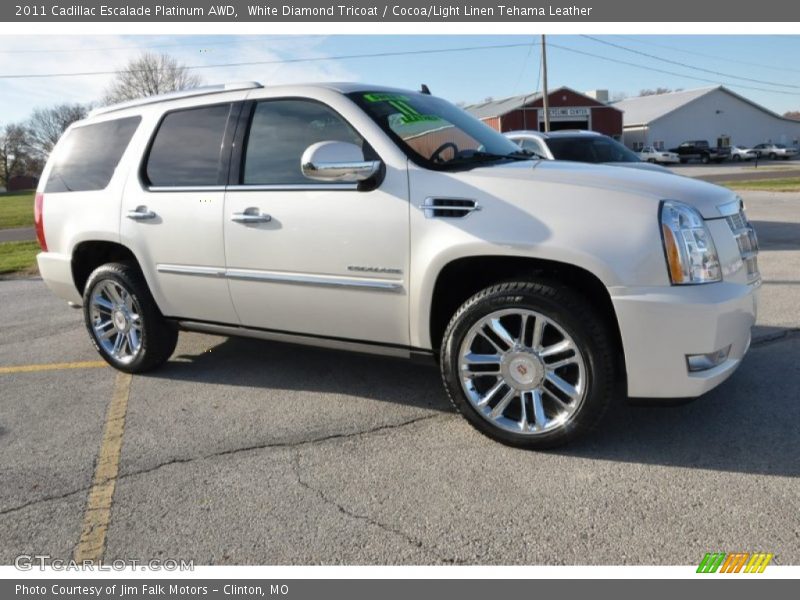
[(392, 222)]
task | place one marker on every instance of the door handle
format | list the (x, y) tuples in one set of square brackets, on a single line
[(140, 213), (251, 215)]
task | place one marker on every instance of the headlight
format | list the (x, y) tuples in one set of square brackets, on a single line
[(688, 245)]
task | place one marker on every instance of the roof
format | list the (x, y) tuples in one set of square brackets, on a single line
[(643, 110), (497, 108)]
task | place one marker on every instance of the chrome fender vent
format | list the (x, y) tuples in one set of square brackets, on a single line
[(449, 208)]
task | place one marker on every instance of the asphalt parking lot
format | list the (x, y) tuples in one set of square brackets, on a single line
[(245, 452)]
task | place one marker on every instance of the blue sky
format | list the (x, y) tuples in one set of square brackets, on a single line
[(467, 76)]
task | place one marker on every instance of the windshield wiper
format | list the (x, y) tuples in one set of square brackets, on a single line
[(479, 156)]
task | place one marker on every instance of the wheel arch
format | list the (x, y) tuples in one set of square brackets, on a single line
[(87, 255), (463, 277)]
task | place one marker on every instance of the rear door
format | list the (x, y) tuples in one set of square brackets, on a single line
[(327, 259), (172, 212)]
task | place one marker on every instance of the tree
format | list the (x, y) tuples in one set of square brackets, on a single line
[(792, 114), (656, 92), (15, 156), (150, 74), (46, 125)]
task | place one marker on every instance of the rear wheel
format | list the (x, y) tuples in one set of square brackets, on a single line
[(529, 364), (123, 321)]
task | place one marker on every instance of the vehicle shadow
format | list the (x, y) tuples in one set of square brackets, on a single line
[(748, 424), (274, 365)]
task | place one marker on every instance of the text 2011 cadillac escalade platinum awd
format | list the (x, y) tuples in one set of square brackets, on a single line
[(390, 221)]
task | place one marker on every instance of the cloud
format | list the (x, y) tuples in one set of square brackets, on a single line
[(61, 54)]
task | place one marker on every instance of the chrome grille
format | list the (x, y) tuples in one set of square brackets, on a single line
[(747, 241)]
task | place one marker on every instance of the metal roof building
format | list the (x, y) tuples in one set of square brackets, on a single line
[(715, 114)]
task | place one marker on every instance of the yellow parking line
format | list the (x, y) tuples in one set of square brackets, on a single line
[(92, 543), (87, 364)]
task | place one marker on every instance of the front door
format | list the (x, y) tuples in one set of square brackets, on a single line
[(325, 259)]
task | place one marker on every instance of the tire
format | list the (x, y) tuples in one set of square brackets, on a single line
[(652, 161), (736, 158), (772, 156), (118, 303), (683, 161), (705, 159), (522, 374)]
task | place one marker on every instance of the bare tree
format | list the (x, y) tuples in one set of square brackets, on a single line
[(656, 92), (150, 74), (15, 156), (792, 114), (46, 125)]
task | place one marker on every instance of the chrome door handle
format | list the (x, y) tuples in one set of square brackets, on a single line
[(141, 213), (251, 215)]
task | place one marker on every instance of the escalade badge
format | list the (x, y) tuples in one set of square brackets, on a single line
[(375, 270)]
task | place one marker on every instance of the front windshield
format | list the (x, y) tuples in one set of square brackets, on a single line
[(435, 133), (590, 149)]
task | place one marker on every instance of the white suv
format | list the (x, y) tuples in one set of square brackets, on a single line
[(392, 222)]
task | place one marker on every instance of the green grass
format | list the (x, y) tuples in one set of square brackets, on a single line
[(16, 209), (788, 184), (18, 257)]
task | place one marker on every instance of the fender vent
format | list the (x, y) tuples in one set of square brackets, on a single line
[(451, 208)]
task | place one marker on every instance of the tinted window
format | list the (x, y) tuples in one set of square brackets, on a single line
[(186, 149), (590, 149), (280, 132), (87, 157)]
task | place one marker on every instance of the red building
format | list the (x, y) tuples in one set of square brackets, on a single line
[(568, 110)]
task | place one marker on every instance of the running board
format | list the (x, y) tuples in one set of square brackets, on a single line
[(306, 340)]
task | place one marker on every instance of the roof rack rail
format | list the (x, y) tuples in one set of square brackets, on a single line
[(198, 91)]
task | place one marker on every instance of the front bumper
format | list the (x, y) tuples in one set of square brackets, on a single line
[(661, 326)]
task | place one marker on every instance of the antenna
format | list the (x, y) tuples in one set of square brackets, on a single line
[(425, 90)]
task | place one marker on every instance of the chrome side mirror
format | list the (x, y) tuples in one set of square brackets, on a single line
[(337, 161)]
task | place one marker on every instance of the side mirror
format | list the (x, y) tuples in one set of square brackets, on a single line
[(337, 161)]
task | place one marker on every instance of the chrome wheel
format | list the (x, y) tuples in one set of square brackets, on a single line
[(116, 321), (522, 372)]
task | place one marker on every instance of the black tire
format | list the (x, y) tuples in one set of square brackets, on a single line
[(736, 158), (683, 160), (576, 316), (651, 161), (158, 336), (772, 156)]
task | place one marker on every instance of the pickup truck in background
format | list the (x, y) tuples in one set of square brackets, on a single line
[(702, 151)]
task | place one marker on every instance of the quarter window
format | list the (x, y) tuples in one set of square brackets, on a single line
[(88, 156), (280, 132), (187, 147)]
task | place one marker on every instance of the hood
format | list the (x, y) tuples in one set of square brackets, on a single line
[(654, 184), (645, 166)]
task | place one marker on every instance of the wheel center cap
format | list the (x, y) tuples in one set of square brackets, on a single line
[(120, 320), (523, 371)]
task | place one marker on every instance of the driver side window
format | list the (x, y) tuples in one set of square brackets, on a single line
[(280, 131)]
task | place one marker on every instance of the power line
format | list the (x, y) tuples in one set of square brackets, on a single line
[(657, 70), (687, 66), (274, 62), (713, 56)]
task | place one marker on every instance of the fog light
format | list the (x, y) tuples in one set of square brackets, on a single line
[(704, 362)]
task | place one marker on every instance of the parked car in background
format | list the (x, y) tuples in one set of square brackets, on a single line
[(739, 153), (701, 150), (580, 146), (652, 155), (774, 151), (388, 221)]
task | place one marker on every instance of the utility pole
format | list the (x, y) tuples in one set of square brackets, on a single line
[(545, 103)]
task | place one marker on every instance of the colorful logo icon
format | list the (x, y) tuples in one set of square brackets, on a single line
[(735, 562)]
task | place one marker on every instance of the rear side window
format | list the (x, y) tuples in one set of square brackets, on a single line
[(87, 157), (187, 147)]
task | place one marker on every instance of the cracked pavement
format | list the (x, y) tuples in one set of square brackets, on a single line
[(245, 452)]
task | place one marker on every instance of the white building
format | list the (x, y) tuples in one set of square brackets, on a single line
[(715, 114)]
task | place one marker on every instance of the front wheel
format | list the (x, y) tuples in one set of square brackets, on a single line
[(123, 321), (529, 364)]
